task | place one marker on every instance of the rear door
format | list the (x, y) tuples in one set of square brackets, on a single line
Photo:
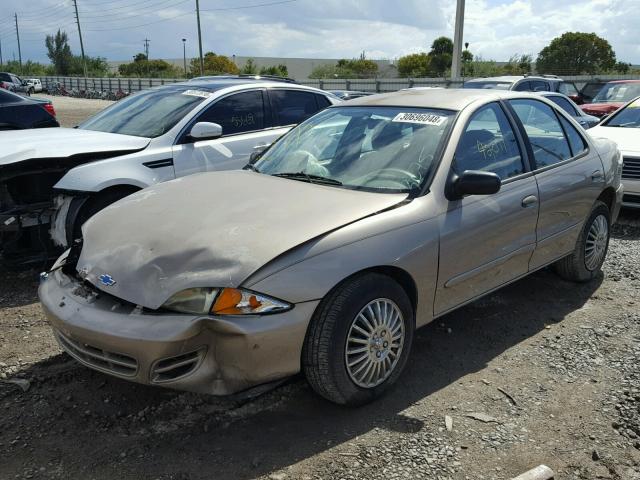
[(570, 177), (487, 240), (246, 123)]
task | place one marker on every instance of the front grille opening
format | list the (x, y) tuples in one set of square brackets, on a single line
[(116, 363), (173, 368), (631, 199), (631, 168)]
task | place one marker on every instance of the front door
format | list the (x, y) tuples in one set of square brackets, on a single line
[(487, 241), (246, 127), (569, 176)]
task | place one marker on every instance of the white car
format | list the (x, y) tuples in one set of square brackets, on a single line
[(623, 127), (34, 84), (52, 180)]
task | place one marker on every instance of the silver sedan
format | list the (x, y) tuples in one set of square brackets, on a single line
[(367, 221)]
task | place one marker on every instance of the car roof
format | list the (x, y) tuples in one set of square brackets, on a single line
[(514, 78), (446, 98), (212, 85)]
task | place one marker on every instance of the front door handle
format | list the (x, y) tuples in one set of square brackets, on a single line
[(597, 175), (529, 201), (261, 146)]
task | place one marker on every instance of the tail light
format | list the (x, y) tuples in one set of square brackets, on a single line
[(4, 85), (49, 108)]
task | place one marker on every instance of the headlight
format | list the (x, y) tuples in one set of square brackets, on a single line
[(224, 301)]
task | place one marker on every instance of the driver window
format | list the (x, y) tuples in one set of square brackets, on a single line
[(237, 113), (489, 144)]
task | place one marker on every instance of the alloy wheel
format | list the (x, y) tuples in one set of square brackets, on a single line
[(374, 343), (596, 243)]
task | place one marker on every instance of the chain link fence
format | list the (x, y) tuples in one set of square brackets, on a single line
[(381, 85)]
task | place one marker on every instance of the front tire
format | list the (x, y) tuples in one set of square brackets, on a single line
[(590, 252), (359, 340)]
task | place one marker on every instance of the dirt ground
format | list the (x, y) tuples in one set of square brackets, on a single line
[(541, 372), (72, 111)]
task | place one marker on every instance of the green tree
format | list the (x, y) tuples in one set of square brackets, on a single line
[(575, 53), (141, 67), (96, 66), (414, 65), (441, 55), (467, 63), (59, 52), (28, 68), (249, 67), (214, 65), (277, 70), (518, 65)]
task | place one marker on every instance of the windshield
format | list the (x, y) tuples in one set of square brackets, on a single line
[(384, 149), (146, 114), (489, 85), (628, 117), (617, 92)]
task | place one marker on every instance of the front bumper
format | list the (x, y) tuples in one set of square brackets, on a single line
[(631, 196), (219, 356)]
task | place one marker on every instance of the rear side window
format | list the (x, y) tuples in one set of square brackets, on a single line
[(568, 88), (237, 113), (292, 106), (489, 144), (523, 87), (576, 142), (539, 86), (323, 102), (543, 129), (5, 77), (564, 104)]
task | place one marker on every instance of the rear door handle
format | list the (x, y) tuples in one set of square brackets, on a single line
[(529, 201), (597, 175)]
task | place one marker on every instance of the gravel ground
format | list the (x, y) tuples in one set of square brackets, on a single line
[(542, 371), (72, 111)]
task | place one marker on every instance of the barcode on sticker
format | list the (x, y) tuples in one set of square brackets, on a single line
[(422, 118), (197, 93)]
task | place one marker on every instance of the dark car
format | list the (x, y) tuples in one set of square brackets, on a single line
[(591, 89), (18, 112), (569, 106), (14, 83)]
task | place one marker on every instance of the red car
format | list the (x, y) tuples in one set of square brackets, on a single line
[(612, 96)]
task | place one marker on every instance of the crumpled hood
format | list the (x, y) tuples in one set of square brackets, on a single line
[(626, 138), (20, 145), (600, 109), (210, 230)]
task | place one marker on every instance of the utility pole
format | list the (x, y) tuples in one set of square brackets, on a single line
[(84, 61), (146, 47), (457, 41), (18, 35), (200, 37), (0, 52), (184, 55)]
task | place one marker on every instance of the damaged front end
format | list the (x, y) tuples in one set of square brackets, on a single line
[(33, 214)]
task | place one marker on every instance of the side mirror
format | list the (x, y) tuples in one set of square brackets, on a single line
[(472, 182), (205, 131)]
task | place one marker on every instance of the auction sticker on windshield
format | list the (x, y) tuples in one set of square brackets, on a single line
[(421, 118), (197, 93)]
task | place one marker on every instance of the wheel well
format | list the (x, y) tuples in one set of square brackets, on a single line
[(608, 196), (402, 277)]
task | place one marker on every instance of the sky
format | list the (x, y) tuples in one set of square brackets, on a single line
[(383, 29)]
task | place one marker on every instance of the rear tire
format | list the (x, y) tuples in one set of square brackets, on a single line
[(590, 252), (364, 325)]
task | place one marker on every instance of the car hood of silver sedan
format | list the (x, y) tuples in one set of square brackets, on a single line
[(211, 230), (45, 143)]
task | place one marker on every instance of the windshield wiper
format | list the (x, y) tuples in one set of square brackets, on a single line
[(307, 177), (251, 166)]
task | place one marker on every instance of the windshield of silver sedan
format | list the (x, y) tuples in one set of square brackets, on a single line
[(146, 114), (386, 149), (628, 117)]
